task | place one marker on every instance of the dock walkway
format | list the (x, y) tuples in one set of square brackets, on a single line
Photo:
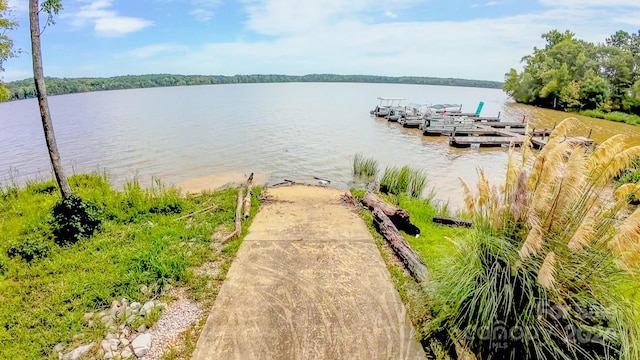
[(308, 282)]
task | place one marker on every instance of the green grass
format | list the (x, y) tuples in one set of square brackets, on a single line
[(140, 244), (613, 116), (362, 166), (435, 245), (404, 180)]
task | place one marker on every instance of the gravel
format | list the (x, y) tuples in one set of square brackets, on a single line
[(177, 317)]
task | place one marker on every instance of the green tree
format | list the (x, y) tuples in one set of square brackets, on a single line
[(50, 7), (6, 44)]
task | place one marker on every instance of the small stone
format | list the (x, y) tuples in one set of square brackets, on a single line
[(121, 327), (128, 312), (135, 306), (114, 344), (142, 345), (108, 354), (90, 323), (78, 352), (142, 328), (125, 332), (59, 347), (124, 301), (78, 336), (182, 243), (88, 316), (144, 289), (126, 353), (146, 308), (130, 319), (124, 342), (110, 337)]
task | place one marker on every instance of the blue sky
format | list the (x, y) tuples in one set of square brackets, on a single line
[(442, 38)]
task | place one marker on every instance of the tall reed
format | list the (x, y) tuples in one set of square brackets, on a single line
[(403, 180), (363, 166), (541, 278)]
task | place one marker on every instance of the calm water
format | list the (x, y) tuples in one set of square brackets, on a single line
[(292, 131)]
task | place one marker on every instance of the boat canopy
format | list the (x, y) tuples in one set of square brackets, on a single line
[(444, 106), (390, 101)]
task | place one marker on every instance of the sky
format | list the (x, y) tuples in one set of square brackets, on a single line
[(439, 38)]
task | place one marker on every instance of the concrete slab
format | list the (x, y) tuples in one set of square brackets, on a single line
[(308, 283)]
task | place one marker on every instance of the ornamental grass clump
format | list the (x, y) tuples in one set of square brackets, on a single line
[(543, 275)]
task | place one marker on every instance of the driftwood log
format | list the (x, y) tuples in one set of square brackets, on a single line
[(238, 221), (400, 246), (452, 221), (247, 198), (399, 217)]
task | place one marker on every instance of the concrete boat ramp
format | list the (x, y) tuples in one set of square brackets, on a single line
[(308, 282)]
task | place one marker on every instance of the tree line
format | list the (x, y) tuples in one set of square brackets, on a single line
[(573, 74), (24, 89)]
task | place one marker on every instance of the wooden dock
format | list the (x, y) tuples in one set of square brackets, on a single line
[(484, 141), (539, 143)]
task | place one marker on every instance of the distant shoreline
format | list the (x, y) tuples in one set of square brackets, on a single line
[(24, 89)]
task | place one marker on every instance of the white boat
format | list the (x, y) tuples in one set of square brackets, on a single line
[(385, 106)]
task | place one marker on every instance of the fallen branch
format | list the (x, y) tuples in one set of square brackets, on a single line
[(400, 246), (208, 208), (247, 199), (452, 221), (399, 217), (238, 221)]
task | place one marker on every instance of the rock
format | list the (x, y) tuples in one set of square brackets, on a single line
[(88, 316), (125, 332), (126, 353), (110, 337), (142, 345), (146, 308), (135, 306), (142, 328), (90, 323), (78, 352), (114, 344), (124, 342), (121, 327), (130, 319), (59, 347)]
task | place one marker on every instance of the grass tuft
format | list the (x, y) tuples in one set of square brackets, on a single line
[(405, 180), (363, 166)]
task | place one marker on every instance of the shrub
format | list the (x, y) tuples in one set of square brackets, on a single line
[(542, 276), (74, 219), (30, 248)]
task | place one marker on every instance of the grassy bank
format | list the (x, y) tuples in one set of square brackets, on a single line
[(612, 116), (141, 249), (435, 246)]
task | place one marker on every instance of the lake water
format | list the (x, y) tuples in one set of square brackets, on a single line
[(285, 131)]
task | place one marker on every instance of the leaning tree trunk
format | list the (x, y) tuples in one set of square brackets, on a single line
[(41, 90)]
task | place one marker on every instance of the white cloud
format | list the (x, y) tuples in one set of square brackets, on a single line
[(105, 21), (18, 5), (390, 14), (590, 3), (340, 40), (150, 51), (204, 10)]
